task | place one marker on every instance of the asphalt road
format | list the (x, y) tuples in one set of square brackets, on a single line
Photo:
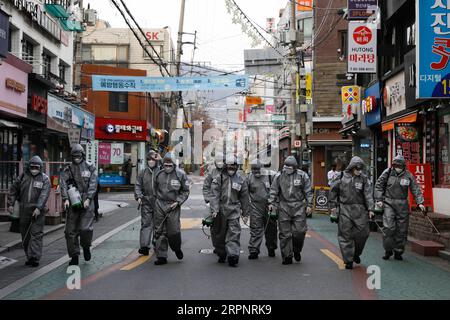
[(118, 272)]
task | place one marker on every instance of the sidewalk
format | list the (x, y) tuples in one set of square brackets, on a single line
[(10, 240)]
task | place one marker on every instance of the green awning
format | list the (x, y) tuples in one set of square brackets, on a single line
[(57, 11), (71, 25)]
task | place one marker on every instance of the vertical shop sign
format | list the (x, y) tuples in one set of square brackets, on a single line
[(422, 173), (407, 142)]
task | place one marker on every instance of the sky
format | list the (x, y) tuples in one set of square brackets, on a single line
[(219, 42)]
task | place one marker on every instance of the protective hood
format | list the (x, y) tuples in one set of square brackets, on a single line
[(356, 161), (77, 149), (169, 158), (399, 160), (291, 162), (36, 160), (151, 155), (256, 166)]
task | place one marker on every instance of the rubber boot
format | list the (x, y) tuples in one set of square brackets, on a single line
[(387, 255), (179, 254), (87, 254), (297, 256), (287, 261), (349, 266), (398, 256), (357, 260), (144, 251), (253, 256), (271, 253), (160, 261), (74, 261)]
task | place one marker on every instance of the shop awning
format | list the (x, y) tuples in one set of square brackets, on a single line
[(4, 123), (389, 125), (57, 11), (71, 25)]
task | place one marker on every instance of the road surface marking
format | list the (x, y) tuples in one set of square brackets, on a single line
[(137, 262), (191, 223), (334, 257), (44, 270)]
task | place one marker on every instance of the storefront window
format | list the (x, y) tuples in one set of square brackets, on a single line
[(443, 148)]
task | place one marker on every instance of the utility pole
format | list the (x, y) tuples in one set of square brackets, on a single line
[(293, 55), (176, 97)]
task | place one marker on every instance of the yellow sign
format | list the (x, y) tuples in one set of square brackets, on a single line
[(304, 5), (253, 100), (309, 87), (351, 94)]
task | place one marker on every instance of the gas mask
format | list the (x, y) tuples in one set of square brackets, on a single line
[(219, 165), (357, 171), (231, 170), (151, 163), (288, 170), (168, 168), (398, 170), (257, 174), (77, 159), (34, 170)]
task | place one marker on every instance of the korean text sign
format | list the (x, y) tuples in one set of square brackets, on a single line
[(407, 141), (433, 48), (362, 47), (422, 173), (168, 84)]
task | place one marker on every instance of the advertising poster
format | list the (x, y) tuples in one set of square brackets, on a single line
[(422, 173), (407, 142), (104, 153), (117, 156)]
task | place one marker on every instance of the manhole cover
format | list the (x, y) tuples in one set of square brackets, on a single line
[(4, 262)]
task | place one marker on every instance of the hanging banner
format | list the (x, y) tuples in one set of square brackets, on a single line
[(422, 173), (74, 135), (351, 100), (168, 84), (304, 5), (117, 156), (104, 153), (321, 195), (407, 142), (433, 49), (362, 47), (361, 9)]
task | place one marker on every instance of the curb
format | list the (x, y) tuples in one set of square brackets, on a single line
[(16, 244)]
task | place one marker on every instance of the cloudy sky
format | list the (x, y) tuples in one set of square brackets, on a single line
[(220, 42)]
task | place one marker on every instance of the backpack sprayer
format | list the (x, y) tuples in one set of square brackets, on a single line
[(160, 226), (207, 222), (76, 202)]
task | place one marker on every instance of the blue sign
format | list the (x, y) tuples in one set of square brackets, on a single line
[(433, 53), (4, 34), (374, 116), (168, 84)]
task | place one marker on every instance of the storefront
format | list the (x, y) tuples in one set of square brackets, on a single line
[(372, 113), (66, 124), (13, 110), (119, 141), (328, 147), (404, 127)]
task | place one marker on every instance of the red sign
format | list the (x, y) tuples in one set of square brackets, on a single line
[(152, 36), (39, 104), (120, 129), (422, 173), (104, 153), (362, 35)]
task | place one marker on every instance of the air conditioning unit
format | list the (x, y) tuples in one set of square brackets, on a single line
[(90, 17), (294, 36)]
